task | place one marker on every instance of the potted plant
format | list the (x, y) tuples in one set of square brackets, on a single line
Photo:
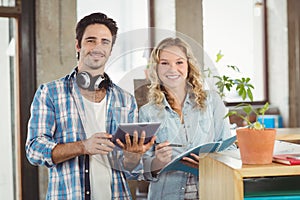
[(255, 142)]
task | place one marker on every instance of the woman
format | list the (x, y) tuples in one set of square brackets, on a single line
[(189, 116)]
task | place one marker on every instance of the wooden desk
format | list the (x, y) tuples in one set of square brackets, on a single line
[(288, 134), (221, 176)]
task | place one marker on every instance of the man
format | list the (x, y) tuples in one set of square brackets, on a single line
[(72, 120)]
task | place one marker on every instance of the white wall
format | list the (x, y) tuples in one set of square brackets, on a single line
[(278, 56)]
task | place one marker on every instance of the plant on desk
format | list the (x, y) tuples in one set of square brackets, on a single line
[(256, 143)]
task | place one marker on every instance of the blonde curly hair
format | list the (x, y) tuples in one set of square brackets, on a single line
[(157, 90)]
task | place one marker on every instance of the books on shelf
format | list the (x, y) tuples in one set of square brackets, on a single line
[(177, 164), (288, 159), (286, 153)]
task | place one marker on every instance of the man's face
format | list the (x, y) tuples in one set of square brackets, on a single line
[(95, 48)]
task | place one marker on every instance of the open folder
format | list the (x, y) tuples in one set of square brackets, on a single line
[(211, 147)]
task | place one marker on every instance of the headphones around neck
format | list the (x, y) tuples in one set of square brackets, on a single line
[(88, 82)]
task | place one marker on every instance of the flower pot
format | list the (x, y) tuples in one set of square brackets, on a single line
[(256, 146)]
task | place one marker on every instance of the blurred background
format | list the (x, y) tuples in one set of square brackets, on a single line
[(37, 37)]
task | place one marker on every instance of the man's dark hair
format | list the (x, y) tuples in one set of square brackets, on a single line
[(96, 18)]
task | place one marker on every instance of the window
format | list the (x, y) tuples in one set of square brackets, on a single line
[(7, 3), (236, 28), (17, 177), (8, 122), (129, 55)]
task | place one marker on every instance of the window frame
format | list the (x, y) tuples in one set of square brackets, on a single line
[(24, 13), (265, 65)]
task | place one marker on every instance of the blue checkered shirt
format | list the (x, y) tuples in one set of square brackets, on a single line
[(57, 116)]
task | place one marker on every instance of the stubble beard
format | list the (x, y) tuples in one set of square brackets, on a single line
[(94, 64)]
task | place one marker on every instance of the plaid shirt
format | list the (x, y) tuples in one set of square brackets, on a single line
[(57, 116)]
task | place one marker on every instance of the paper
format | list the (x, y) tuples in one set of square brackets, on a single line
[(282, 147)]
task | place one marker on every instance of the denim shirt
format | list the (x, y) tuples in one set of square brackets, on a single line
[(200, 126)]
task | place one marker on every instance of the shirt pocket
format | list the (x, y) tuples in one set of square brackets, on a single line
[(68, 128), (167, 130), (205, 125), (121, 115)]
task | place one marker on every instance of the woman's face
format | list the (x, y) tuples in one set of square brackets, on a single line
[(172, 67)]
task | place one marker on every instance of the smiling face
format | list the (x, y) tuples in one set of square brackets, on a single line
[(95, 48), (172, 67)]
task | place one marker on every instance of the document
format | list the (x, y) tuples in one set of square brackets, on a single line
[(176, 163), (282, 147)]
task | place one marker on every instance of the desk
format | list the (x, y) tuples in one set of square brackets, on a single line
[(222, 176), (288, 134)]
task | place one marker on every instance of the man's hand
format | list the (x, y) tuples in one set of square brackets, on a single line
[(99, 143), (134, 150)]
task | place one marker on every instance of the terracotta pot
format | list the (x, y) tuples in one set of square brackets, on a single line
[(256, 146)]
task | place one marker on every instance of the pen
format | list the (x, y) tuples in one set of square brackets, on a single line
[(176, 145), (172, 145)]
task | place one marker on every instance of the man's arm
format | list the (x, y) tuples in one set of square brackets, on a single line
[(63, 152), (99, 143)]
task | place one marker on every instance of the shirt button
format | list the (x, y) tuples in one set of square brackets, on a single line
[(182, 188), (87, 192), (86, 171)]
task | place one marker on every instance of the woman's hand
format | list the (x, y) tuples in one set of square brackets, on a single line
[(192, 162), (163, 155), (163, 152)]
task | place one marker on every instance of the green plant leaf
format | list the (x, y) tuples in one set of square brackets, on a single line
[(264, 109), (208, 72), (257, 126), (247, 109), (234, 68), (230, 113), (219, 56), (249, 93), (243, 86)]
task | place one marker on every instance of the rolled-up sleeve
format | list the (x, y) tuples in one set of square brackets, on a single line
[(41, 127)]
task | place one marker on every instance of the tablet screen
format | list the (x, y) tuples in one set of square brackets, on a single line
[(149, 127)]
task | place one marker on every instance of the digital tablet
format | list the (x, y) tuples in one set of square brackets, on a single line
[(149, 127)]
